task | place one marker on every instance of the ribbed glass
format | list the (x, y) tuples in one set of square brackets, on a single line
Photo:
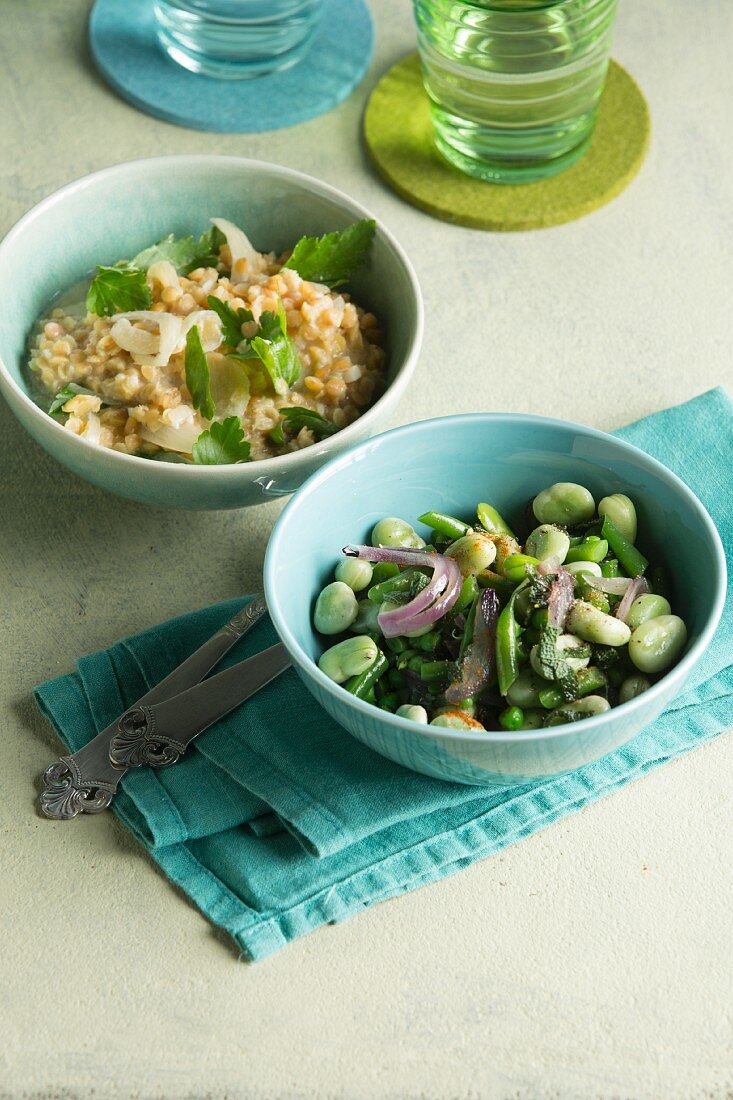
[(514, 85), (235, 38)]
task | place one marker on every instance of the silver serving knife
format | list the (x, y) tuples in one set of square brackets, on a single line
[(86, 781)]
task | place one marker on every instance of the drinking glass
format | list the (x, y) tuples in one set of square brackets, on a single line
[(236, 39), (514, 85)]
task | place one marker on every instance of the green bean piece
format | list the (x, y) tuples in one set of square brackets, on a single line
[(468, 593), (593, 596), (336, 609), (565, 503), (660, 582), (621, 511), (507, 646), (575, 540), (500, 585), (539, 618), (631, 560), (492, 522), (610, 568), (370, 697), (589, 550), (355, 572), (588, 681), (431, 671), (448, 526), (409, 581), (515, 566), (360, 685), (383, 570), (511, 718), (396, 532)]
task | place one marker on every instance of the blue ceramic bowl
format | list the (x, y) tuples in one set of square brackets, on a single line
[(118, 211), (451, 464)]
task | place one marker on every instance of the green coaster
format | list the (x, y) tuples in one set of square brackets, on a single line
[(399, 134)]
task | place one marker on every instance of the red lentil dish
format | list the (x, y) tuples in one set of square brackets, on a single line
[(204, 350)]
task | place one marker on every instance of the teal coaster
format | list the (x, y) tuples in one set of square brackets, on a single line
[(125, 49)]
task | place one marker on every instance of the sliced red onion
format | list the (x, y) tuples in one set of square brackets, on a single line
[(562, 596), (615, 586), (476, 665), (431, 603), (636, 587)]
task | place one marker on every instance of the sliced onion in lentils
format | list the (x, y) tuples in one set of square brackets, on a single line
[(431, 603), (636, 587)]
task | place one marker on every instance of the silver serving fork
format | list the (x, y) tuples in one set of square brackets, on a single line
[(158, 729)]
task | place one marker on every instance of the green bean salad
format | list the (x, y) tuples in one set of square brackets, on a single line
[(476, 631)]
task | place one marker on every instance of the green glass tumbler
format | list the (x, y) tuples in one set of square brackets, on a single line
[(514, 85)]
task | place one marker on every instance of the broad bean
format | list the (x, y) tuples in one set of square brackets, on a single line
[(631, 687), (413, 713), (336, 608), (396, 532), (472, 553), (580, 708), (525, 690), (565, 503), (456, 720), (564, 642), (593, 625), (355, 572), (548, 541), (348, 658), (647, 607), (621, 511), (657, 643)]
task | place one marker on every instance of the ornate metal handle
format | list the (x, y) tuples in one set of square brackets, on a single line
[(86, 781)]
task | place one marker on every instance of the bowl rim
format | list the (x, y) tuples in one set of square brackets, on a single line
[(259, 467), (678, 673)]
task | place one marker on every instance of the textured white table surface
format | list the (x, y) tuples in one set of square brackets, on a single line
[(591, 961)]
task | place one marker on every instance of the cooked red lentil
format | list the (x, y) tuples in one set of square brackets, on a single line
[(134, 363)]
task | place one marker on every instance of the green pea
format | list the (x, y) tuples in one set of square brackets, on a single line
[(647, 607), (515, 566), (348, 658), (366, 618), (456, 721), (511, 718), (396, 532), (428, 643), (336, 609), (525, 690), (579, 708), (565, 503), (592, 549), (491, 521), (355, 572), (390, 701), (593, 625), (473, 553), (657, 643), (564, 642), (413, 713), (621, 511), (548, 541), (631, 687), (577, 567)]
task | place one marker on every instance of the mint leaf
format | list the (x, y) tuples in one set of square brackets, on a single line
[(118, 290), (221, 444), (276, 350), (334, 258), (198, 378), (185, 253), (295, 418), (231, 320)]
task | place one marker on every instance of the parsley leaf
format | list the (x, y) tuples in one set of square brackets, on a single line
[(295, 418), (198, 378), (223, 443), (71, 389), (334, 258), (185, 253), (276, 350), (117, 290), (231, 320)]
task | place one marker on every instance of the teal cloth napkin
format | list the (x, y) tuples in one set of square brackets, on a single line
[(278, 821)]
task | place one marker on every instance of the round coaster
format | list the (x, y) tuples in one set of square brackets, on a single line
[(399, 134), (124, 46)]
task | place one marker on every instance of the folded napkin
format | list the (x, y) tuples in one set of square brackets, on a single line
[(278, 821)]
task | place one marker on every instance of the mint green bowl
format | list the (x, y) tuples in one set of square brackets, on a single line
[(118, 211), (451, 464)]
